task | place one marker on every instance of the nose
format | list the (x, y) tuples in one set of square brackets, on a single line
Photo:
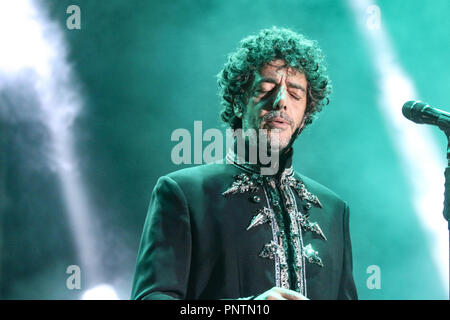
[(280, 98)]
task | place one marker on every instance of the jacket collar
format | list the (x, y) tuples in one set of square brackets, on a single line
[(280, 165)]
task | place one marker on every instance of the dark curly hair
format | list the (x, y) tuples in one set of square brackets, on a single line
[(236, 78)]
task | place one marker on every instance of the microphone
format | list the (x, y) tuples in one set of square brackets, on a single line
[(420, 112)]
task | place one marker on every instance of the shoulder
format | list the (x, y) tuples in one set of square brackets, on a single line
[(198, 179), (202, 173)]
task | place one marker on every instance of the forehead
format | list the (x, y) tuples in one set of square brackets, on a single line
[(279, 68)]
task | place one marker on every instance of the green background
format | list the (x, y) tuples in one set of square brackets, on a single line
[(146, 68)]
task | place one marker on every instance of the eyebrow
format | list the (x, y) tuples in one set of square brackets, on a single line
[(289, 83)]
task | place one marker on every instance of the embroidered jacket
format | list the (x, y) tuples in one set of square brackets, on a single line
[(224, 231)]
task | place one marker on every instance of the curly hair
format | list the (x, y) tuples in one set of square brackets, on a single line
[(236, 78)]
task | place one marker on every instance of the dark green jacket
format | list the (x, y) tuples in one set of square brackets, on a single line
[(195, 243)]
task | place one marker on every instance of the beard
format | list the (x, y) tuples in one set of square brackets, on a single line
[(277, 139), (267, 141), (261, 135)]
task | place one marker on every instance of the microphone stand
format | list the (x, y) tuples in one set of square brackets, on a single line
[(447, 189)]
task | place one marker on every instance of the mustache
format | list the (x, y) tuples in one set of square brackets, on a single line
[(277, 114)]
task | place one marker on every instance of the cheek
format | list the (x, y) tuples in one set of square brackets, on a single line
[(299, 115), (256, 113), (251, 117)]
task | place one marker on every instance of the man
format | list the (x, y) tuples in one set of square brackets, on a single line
[(227, 231)]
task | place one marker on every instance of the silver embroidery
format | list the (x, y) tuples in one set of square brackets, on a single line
[(270, 250), (302, 192), (312, 256), (281, 267), (276, 249), (242, 183), (296, 235), (313, 227), (264, 215)]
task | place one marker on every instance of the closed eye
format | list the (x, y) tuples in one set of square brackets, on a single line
[(296, 97), (263, 92)]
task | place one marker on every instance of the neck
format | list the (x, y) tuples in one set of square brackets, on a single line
[(264, 162)]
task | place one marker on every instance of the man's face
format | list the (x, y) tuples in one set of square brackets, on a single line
[(277, 103)]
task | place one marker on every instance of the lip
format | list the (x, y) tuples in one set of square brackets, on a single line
[(278, 122)]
